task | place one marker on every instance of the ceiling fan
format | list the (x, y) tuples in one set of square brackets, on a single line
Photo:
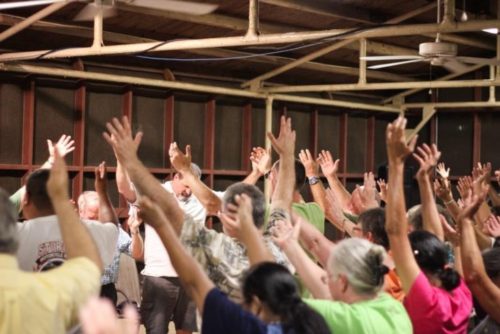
[(436, 53), (109, 6)]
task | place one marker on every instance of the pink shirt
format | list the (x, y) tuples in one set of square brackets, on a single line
[(435, 310)]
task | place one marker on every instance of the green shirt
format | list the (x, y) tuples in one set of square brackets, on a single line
[(17, 197), (383, 314), (312, 212)]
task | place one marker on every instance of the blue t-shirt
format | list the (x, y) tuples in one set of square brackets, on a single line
[(221, 315)]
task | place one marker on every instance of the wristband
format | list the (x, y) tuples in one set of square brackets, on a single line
[(449, 202)]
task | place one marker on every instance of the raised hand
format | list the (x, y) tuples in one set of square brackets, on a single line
[(309, 163), (238, 217), (180, 161), (283, 232), (261, 160), (57, 184), (397, 148), (151, 212), (450, 233), (473, 201), (442, 189), (464, 185), (382, 189), (64, 146), (497, 175), (492, 226), (443, 171), (285, 143), (98, 316), (329, 167), (121, 140), (428, 157), (481, 174), (134, 222), (368, 193), (101, 181)]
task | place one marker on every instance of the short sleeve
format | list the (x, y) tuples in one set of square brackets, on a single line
[(105, 236), (16, 199), (221, 315), (421, 295)]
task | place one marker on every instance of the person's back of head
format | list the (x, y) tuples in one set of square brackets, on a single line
[(361, 262), (9, 240), (256, 196), (276, 287), (432, 257), (373, 226), (415, 217), (36, 191), (88, 205), (491, 259)]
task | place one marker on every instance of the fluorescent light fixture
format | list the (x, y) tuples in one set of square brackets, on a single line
[(491, 31), (19, 4)]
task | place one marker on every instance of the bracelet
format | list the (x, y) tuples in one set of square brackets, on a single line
[(449, 202), (313, 180)]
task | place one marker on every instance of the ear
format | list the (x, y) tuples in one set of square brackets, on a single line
[(25, 200), (344, 283), (369, 236)]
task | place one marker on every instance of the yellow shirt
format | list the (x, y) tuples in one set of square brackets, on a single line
[(45, 302)]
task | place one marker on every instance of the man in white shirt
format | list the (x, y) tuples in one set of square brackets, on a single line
[(163, 298)]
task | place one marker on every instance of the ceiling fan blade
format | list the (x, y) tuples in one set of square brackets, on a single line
[(20, 4), (188, 7), (400, 57), (374, 67), (475, 60), (88, 12), (453, 65)]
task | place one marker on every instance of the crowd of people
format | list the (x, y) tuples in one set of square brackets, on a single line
[(434, 268)]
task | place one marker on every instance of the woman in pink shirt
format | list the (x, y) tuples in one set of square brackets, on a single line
[(437, 300)]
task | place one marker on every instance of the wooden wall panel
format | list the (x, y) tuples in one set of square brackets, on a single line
[(54, 116), (328, 132), (490, 139), (258, 127), (228, 137), (101, 108), (148, 116), (356, 144), (11, 123), (189, 122), (455, 134), (301, 122)]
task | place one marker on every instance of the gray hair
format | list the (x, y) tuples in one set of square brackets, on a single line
[(84, 196), (361, 262), (257, 197), (9, 239)]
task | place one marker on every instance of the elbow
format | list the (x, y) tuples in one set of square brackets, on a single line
[(213, 206)]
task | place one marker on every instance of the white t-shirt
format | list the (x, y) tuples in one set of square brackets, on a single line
[(156, 260), (41, 246)]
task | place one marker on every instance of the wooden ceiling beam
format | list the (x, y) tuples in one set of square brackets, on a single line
[(117, 38), (330, 9), (213, 20)]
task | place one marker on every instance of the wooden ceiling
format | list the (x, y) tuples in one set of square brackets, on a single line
[(135, 24)]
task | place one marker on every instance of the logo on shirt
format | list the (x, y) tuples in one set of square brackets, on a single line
[(50, 255)]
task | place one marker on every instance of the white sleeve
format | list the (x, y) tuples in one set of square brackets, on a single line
[(105, 236)]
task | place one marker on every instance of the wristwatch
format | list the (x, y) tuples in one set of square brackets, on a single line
[(312, 180)]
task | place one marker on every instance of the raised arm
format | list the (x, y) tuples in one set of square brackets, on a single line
[(193, 278), (239, 219), (137, 243), (483, 289), (124, 184), (182, 164), (261, 164), (312, 174), (107, 212), (76, 238), (284, 145), (330, 167), (428, 158), (125, 149), (396, 221), (311, 274), (335, 215)]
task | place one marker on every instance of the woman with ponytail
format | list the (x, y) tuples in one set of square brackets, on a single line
[(437, 299)]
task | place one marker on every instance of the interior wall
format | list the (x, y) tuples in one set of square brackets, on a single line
[(220, 130)]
